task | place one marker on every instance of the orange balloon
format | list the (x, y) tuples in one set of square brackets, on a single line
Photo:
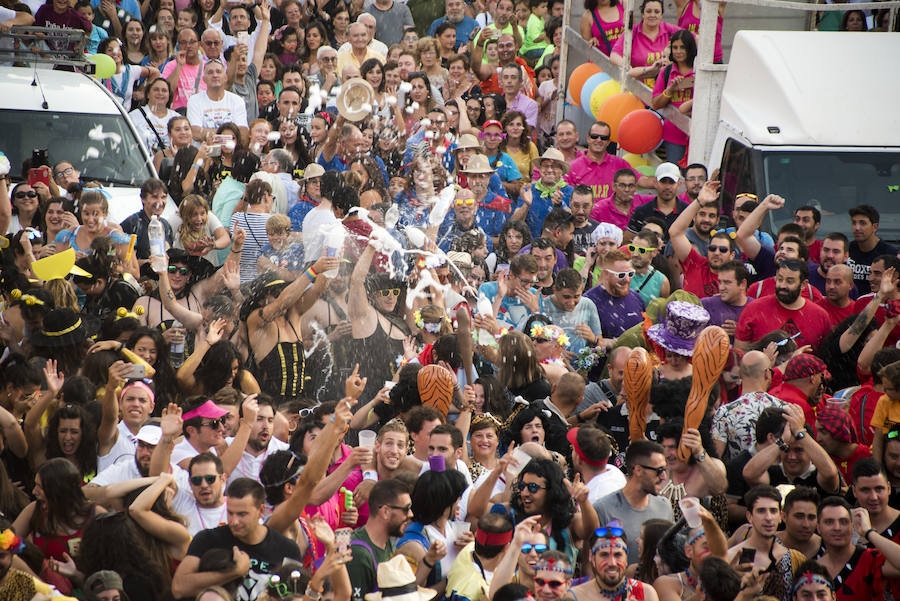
[(577, 79), (640, 131), (614, 109)]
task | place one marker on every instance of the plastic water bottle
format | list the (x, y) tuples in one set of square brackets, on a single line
[(157, 235), (176, 349), (485, 307)]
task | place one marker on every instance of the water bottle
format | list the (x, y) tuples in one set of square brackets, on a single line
[(157, 235), (486, 308), (176, 349)]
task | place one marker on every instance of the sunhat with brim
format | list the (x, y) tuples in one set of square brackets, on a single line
[(313, 170), (679, 329), (466, 141), (478, 164), (396, 582), (208, 409), (552, 154), (65, 327)]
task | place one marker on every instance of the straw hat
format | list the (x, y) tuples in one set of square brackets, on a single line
[(552, 154), (354, 101), (478, 164), (313, 170), (396, 582), (467, 141)]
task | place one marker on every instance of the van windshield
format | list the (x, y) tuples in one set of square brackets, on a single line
[(102, 147), (835, 182)]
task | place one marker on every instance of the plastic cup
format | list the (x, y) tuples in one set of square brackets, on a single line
[(367, 439), (522, 458), (690, 509)]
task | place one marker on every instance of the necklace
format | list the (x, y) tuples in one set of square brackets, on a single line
[(620, 593), (200, 515), (690, 579)]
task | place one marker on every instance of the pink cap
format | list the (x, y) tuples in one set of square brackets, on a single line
[(207, 409)]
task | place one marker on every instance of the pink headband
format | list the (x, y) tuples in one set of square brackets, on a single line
[(139, 384)]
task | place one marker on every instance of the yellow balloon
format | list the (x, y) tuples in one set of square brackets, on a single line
[(602, 92), (105, 65), (635, 160)]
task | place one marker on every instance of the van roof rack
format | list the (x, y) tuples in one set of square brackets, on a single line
[(55, 46)]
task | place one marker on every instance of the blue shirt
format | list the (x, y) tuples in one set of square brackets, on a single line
[(336, 164), (464, 29), (541, 205), (450, 231), (493, 211), (448, 160), (506, 167), (585, 312), (298, 212), (290, 257), (412, 212), (513, 312), (129, 6)]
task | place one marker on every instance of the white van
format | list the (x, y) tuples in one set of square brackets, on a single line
[(76, 119), (813, 117)]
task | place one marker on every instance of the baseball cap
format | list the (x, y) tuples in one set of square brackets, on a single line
[(150, 434), (803, 366), (668, 170), (104, 580)]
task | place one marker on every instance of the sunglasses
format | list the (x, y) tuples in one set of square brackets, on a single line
[(601, 136), (29, 194), (621, 274), (214, 424), (641, 250), (532, 487), (208, 478), (718, 249), (181, 270), (554, 584), (306, 411), (746, 195), (403, 508), (469, 202), (659, 470), (610, 532), (32, 233), (528, 548), (540, 340), (389, 291)]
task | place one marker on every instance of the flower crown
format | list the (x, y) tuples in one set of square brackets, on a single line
[(9, 541), (431, 328), (122, 312), (550, 332)]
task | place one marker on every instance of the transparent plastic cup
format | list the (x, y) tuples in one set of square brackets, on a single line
[(367, 439), (690, 509)]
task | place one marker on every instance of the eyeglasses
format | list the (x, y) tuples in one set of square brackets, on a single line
[(610, 532), (328, 58), (718, 249), (622, 275), (214, 424), (540, 340), (403, 508), (181, 270), (29, 194), (601, 136), (208, 478), (527, 281), (698, 178), (211, 43), (532, 487), (65, 172), (528, 548), (641, 250), (389, 291), (493, 136), (469, 202), (625, 186), (659, 470), (554, 584)]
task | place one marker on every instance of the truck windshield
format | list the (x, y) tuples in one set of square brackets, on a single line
[(835, 182), (102, 147)]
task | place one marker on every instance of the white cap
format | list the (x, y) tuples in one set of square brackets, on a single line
[(668, 170), (150, 435)]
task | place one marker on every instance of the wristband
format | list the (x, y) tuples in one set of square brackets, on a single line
[(370, 475), (430, 566), (196, 166), (238, 251), (311, 274), (666, 94), (870, 530)]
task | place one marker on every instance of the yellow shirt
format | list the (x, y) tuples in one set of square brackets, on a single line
[(524, 160), (887, 414), (345, 58)]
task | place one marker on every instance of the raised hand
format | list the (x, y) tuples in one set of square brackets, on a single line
[(250, 409), (171, 421), (55, 380), (215, 331), (354, 385)]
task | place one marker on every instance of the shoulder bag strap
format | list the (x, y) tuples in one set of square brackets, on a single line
[(153, 129), (602, 33), (647, 279)]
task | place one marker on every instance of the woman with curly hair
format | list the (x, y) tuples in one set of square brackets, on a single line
[(518, 143), (72, 435), (149, 345), (371, 190), (197, 230), (514, 236)]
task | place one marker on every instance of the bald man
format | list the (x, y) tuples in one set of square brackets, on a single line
[(734, 424), (837, 301)]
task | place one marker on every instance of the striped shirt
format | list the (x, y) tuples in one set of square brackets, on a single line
[(255, 226)]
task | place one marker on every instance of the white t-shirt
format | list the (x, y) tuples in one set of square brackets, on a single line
[(204, 112), (125, 446), (249, 466), (184, 504), (212, 224), (185, 450), (122, 87), (606, 483), (118, 472), (313, 228), (156, 125)]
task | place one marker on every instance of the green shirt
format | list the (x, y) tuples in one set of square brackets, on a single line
[(533, 29), (362, 569)]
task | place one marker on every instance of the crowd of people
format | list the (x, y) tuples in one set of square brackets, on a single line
[(429, 347)]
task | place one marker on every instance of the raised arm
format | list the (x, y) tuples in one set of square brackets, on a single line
[(108, 432), (827, 474), (746, 234), (171, 422), (232, 455), (876, 342), (358, 307), (174, 534), (263, 27), (34, 436)]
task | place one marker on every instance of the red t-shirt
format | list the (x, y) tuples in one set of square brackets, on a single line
[(863, 302), (835, 313), (815, 250), (862, 407), (491, 85), (766, 314), (846, 465), (861, 577), (766, 287), (699, 278)]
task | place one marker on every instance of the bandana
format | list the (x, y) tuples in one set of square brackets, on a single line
[(493, 539), (139, 384), (810, 578), (553, 565)]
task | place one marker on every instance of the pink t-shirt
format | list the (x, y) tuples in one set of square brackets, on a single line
[(612, 29), (644, 51), (330, 510), (692, 23), (605, 210), (599, 176), (191, 76), (671, 133)]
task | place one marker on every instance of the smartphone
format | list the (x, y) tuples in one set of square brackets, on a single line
[(342, 539), (39, 158), (222, 139), (137, 372), (39, 175), (242, 37), (214, 150), (748, 555)]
